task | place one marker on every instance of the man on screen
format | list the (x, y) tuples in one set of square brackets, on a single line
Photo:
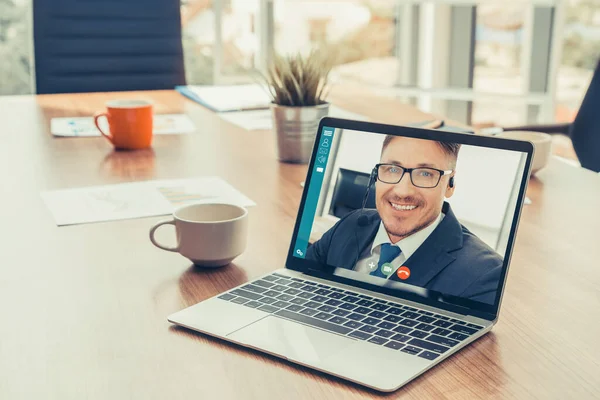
[(413, 237)]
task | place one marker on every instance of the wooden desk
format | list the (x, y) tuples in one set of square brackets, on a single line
[(84, 307)]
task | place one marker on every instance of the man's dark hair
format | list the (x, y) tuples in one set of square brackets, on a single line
[(449, 148)]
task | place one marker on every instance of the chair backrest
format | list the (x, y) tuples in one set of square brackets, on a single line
[(349, 192), (585, 130), (107, 45)]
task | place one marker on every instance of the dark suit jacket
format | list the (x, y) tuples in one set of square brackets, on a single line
[(452, 260)]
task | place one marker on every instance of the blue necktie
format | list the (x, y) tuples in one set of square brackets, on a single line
[(388, 253)]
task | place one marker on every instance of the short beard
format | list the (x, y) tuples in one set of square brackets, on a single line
[(405, 234), (410, 200)]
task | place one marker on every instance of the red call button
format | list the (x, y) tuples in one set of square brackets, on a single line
[(403, 272)]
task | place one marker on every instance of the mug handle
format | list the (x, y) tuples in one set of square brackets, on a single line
[(97, 116), (153, 240)]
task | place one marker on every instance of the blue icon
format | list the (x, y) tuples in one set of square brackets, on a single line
[(325, 143), (300, 253)]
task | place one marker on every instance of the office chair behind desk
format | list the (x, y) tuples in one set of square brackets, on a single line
[(584, 131), (101, 46)]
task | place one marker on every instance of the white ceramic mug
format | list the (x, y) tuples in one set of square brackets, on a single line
[(210, 235), (541, 141)]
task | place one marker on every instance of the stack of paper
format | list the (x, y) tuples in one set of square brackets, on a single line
[(246, 106), (223, 98), (262, 119)]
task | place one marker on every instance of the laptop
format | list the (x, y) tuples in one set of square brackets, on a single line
[(381, 294)]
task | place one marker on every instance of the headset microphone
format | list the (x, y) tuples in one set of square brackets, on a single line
[(363, 220)]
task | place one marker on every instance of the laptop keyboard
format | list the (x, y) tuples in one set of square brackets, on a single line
[(383, 323)]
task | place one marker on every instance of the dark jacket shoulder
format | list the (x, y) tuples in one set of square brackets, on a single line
[(343, 243)]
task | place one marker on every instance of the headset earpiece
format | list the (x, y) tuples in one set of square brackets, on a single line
[(451, 182)]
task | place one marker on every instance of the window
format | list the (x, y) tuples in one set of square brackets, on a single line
[(580, 55), (498, 47), (220, 40), (361, 33), (15, 47)]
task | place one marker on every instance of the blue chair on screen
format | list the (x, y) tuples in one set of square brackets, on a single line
[(349, 192), (107, 45)]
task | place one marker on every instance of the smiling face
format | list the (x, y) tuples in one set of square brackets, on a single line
[(404, 208)]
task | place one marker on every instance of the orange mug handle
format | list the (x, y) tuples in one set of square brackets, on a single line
[(97, 116)]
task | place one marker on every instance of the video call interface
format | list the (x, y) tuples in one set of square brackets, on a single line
[(418, 215)]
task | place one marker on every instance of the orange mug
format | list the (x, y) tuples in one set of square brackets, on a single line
[(129, 124)]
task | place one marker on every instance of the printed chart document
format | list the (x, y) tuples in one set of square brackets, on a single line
[(137, 199), (164, 124)]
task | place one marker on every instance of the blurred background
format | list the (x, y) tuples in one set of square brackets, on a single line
[(492, 62)]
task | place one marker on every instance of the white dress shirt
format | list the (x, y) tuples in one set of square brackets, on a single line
[(407, 245)]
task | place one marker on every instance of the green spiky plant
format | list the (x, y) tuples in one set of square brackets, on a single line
[(298, 81)]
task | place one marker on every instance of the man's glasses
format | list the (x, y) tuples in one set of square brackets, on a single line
[(426, 178)]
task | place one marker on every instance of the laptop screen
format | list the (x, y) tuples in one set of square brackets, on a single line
[(429, 217)]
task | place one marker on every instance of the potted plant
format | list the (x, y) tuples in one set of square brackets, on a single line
[(298, 86)]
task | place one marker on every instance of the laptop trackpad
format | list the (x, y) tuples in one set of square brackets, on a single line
[(291, 340)]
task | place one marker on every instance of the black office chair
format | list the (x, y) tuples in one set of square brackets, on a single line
[(107, 45), (349, 192), (584, 131)]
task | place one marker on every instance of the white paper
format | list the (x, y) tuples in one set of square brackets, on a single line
[(262, 119), (164, 124), (137, 199), (250, 120), (232, 97)]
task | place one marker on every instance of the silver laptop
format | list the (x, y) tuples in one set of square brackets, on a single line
[(398, 258)]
